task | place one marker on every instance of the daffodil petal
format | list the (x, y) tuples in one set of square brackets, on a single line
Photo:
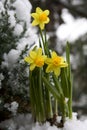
[(28, 59), (62, 59), (47, 12), (57, 71), (39, 52), (38, 10), (42, 26), (34, 15), (47, 21), (34, 23), (44, 57), (33, 54), (49, 68), (54, 54), (63, 65), (32, 66), (48, 61)]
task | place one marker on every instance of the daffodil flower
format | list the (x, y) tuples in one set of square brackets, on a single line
[(55, 63), (35, 59), (40, 18)]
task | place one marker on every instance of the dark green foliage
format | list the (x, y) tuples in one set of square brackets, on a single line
[(7, 38), (14, 86)]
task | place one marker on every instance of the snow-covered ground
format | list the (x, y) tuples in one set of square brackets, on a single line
[(24, 122)]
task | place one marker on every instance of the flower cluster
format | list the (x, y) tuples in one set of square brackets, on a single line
[(49, 76), (36, 59)]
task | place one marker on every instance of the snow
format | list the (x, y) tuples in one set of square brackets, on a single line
[(23, 9), (13, 106), (12, 19), (45, 126), (22, 12), (24, 122), (22, 43), (18, 30), (1, 7), (11, 58), (75, 125), (73, 28)]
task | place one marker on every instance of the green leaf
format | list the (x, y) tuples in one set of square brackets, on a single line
[(51, 88), (64, 82), (57, 85), (69, 78)]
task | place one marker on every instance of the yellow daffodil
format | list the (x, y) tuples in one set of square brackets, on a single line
[(40, 18), (35, 59), (55, 63)]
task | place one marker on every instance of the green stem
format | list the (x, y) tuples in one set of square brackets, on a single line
[(49, 112), (69, 80), (57, 85), (70, 101), (33, 96), (42, 42), (63, 109), (42, 112), (36, 101), (46, 48), (51, 88), (56, 107)]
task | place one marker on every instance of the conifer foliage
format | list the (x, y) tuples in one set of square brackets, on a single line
[(16, 37)]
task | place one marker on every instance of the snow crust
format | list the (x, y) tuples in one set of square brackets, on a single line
[(24, 122)]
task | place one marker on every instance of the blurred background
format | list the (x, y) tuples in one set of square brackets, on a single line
[(68, 22)]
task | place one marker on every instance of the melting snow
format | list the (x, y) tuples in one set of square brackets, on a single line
[(24, 122)]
